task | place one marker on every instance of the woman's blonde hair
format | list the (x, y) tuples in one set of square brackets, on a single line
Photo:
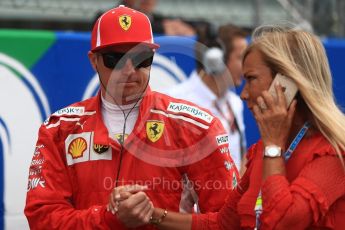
[(301, 56)]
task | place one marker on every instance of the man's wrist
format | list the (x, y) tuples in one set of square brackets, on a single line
[(111, 220), (157, 221)]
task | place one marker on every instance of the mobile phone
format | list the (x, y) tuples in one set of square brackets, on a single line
[(289, 87)]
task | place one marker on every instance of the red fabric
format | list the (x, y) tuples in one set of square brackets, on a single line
[(228, 217), (310, 196), (70, 182), (246, 205)]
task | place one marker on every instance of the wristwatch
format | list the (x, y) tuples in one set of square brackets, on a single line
[(272, 151)]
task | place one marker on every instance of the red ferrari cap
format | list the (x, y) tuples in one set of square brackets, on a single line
[(122, 26)]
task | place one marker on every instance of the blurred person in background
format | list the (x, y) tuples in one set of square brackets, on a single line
[(296, 174), (129, 3), (219, 65), (164, 24), (125, 135)]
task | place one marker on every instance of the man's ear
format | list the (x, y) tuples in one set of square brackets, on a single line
[(93, 59)]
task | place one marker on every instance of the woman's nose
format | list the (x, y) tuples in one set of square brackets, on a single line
[(244, 94)]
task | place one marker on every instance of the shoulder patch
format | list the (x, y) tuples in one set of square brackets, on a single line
[(69, 111), (222, 139), (190, 110)]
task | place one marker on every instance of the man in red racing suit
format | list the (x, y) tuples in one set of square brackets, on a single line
[(78, 162)]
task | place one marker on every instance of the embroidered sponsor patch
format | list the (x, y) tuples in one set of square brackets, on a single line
[(35, 172), (222, 139), (224, 150), (100, 152), (80, 148), (37, 162), (77, 147), (38, 150), (36, 182), (70, 111), (100, 148), (227, 165), (180, 117), (125, 21), (190, 110), (119, 137), (154, 130)]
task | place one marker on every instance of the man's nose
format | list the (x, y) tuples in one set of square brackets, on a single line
[(128, 68)]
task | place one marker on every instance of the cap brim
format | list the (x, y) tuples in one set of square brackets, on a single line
[(127, 45)]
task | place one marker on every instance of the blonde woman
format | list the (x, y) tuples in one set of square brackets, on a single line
[(296, 176)]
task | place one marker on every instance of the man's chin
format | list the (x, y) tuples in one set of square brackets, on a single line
[(132, 97), (126, 95)]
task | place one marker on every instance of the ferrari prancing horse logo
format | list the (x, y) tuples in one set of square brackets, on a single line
[(125, 21), (154, 130)]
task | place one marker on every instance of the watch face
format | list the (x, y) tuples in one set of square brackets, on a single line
[(272, 151)]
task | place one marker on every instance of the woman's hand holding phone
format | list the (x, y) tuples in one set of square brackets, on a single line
[(289, 87), (275, 111)]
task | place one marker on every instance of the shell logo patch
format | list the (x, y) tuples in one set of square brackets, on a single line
[(100, 148), (154, 130), (77, 147), (125, 22)]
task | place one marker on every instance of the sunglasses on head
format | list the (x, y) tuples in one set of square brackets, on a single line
[(116, 60)]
